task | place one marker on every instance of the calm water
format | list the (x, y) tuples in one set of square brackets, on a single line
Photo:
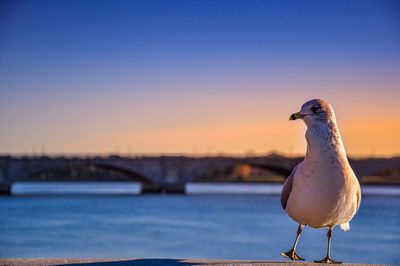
[(195, 226)]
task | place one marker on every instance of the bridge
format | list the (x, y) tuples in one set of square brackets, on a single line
[(157, 174)]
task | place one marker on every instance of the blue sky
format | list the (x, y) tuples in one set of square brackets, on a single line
[(127, 67)]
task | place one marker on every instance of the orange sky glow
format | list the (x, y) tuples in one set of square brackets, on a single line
[(196, 78)]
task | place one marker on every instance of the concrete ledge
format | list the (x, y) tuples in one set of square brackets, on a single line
[(150, 262)]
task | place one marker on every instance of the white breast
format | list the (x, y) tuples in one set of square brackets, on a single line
[(323, 191)]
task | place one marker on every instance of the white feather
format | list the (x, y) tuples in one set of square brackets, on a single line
[(345, 227)]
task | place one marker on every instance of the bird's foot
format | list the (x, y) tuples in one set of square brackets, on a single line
[(292, 254), (328, 260)]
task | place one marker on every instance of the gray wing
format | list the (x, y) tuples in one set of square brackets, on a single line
[(287, 188)]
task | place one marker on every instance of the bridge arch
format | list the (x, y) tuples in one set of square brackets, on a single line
[(244, 172), (390, 176), (88, 171), (273, 168)]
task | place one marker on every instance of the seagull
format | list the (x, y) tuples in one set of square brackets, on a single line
[(322, 190)]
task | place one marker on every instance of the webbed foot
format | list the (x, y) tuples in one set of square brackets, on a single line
[(292, 254), (328, 260)]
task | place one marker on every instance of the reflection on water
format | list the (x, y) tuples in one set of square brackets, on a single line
[(193, 226)]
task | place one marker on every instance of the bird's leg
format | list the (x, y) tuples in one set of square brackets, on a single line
[(292, 254), (328, 258)]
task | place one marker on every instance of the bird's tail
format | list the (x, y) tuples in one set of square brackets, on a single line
[(345, 227)]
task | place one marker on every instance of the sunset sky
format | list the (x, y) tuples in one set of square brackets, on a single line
[(196, 77)]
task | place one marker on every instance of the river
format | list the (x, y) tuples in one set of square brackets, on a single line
[(187, 226)]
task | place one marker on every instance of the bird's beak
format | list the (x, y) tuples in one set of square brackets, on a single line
[(296, 116)]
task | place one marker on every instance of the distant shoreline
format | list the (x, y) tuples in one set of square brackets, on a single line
[(197, 188), (275, 189)]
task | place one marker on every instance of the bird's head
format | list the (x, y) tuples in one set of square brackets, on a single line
[(315, 112)]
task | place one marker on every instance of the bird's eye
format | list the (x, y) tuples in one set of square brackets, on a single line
[(315, 109)]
